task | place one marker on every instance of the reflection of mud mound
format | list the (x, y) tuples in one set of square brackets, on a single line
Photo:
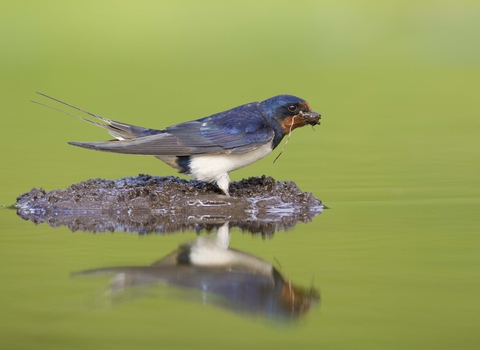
[(167, 204)]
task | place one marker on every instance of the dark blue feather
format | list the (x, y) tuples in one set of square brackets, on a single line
[(243, 126), (238, 130)]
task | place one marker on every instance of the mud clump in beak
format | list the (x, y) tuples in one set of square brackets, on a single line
[(311, 118)]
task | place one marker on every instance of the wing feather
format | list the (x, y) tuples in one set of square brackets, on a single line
[(239, 130)]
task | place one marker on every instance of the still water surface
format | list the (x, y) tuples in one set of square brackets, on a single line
[(387, 271)]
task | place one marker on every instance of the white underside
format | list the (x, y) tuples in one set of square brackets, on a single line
[(214, 251), (215, 167)]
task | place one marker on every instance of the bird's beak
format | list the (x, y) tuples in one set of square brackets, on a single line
[(311, 118)]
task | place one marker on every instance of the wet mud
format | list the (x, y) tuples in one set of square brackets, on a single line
[(148, 204)]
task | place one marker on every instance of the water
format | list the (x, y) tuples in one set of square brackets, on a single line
[(395, 258)]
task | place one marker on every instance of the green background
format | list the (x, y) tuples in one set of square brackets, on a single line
[(396, 158)]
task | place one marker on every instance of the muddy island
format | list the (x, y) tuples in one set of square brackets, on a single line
[(148, 204)]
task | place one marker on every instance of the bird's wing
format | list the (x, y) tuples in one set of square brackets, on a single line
[(238, 130)]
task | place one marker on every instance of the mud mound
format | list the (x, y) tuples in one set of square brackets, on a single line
[(147, 204)]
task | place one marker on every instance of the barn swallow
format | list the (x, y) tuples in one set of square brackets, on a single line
[(209, 148)]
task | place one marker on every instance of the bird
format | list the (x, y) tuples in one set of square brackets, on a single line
[(207, 149)]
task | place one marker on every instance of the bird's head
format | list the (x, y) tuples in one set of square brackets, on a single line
[(290, 112)]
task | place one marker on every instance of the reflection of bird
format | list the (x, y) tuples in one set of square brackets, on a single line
[(217, 275), (211, 147)]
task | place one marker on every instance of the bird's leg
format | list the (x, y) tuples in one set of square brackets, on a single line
[(223, 236), (223, 181)]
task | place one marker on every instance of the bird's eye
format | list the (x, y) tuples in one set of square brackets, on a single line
[(292, 108)]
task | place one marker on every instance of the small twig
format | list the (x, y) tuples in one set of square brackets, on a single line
[(288, 139)]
